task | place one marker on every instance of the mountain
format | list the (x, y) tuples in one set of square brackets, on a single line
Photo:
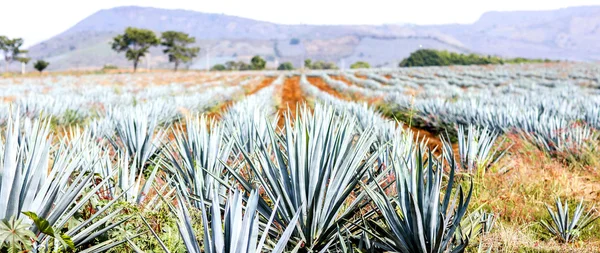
[(571, 33)]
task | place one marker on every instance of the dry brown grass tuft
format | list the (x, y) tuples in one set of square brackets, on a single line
[(519, 195)]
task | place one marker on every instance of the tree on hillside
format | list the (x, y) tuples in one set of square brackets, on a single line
[(286, 66), (258, 63), (23, 61), (177, 47), (240, 65), (431, 57), (360, 65), (218, 67), (308, 64), (11, 48), (323, 65), (135, 42), (40, 65)]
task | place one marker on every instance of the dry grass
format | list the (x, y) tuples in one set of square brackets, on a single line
[(508, 238), (519, 196)]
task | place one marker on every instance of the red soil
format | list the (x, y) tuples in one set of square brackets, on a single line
[(341, 78), (291, 98), (264, 83), (322, 85)]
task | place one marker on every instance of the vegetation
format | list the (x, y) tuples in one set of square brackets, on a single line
[(24, 61), (360, 65), (218, 67), (135, 42), (425, 222), (432, 57), (257, 63), (40, 65), (286, 66), (231, 65), (565, 227), (177, 47), (109, 67), (11, 48), (224, 162), (309, 64)]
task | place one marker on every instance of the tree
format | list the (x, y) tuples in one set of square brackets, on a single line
[(360, 65), (219, 67), (240, 65), (244, 66), (286, 66), (176, 47), (135, 42), (323, 65), (258, 63), (11, 49), (231, 65), (308, 64), (40, 65), (23, 61), (431, 57)]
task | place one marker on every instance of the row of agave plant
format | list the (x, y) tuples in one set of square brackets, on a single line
[(478, 151), (557, 113), (67, 103), (318, 184), (314, 186), (322, 183), (329, 180)]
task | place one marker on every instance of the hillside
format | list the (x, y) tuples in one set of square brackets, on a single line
[(571, 33)]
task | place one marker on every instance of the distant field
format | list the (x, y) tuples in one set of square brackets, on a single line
[(161, 148)]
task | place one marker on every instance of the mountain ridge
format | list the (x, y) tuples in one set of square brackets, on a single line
[(570, 33)]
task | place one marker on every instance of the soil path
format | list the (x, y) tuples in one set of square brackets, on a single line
[(323, 86), (291, 98), (266, 81)]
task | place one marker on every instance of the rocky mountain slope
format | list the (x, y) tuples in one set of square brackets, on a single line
[(571, 33)]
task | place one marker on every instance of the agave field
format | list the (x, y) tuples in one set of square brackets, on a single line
[(437, 159)]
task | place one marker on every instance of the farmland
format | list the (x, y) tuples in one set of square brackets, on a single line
[(404, 160)]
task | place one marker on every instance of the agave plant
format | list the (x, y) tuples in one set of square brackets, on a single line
[(135, 144), (196, 156), (236, 231), (50, 191), (475, 224), (475, 148), (414, 219), (556, 136), (135, 135), (313, 168), (568, 228)]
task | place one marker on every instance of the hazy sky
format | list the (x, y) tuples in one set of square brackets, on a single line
[(41, 19)]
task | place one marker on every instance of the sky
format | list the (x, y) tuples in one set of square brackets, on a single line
[(38, 20)]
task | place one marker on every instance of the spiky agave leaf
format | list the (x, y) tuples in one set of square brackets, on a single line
[(416, 218), (136, 144), (135, 134), (475, 148), (56, 193), (565, 227), (196, 156), (237, 231), (313, 168)]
